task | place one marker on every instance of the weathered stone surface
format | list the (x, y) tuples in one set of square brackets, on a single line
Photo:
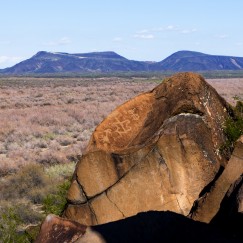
[(56, 229), (76, 194), (109, 212), (190, 157), (96, 172), (81, 213), (155, 152), (209, 205)]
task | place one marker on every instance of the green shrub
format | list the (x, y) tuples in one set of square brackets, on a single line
[(9, 222), (233, 129), (239, 109), (54, 203), (32, 232), (34, 191)]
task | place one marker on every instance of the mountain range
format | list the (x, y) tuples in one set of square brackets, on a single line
[(107, 62)]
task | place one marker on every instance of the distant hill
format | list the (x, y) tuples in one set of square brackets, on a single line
[(197, 61), (107, 62), (58, 62)]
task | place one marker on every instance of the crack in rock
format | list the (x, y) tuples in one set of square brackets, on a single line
[(93, 212), (124, 216)]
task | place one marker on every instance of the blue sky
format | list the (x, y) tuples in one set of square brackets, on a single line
[(147, 30)]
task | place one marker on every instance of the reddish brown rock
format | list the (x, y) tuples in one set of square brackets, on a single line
[(56, 229), (155, 152)]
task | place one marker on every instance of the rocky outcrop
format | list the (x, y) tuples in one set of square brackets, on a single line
[(157, 151)]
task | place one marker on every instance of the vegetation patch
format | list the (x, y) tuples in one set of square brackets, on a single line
[(54, 203), (9, 223), (32, 132), (28, 196), (233, 129)]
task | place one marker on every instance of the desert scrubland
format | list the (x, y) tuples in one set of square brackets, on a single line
[(49, 120), (45, 125)]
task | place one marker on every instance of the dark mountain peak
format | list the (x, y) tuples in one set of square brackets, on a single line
[(197, 61), (40, 54)]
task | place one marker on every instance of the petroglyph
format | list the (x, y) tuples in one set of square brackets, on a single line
[(123, 124), (133, 114), (104, 137), (121, 127)]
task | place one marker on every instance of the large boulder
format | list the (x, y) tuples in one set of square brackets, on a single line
[(157, 151)]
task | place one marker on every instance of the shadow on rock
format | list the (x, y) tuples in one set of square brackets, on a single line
[(161, 227)]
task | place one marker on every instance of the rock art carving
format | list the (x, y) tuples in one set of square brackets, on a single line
[(122, 124)]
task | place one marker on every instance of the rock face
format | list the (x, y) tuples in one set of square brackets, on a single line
[(155, 152), (209, 205)]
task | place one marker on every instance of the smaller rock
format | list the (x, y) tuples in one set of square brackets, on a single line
[(56, 229)]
